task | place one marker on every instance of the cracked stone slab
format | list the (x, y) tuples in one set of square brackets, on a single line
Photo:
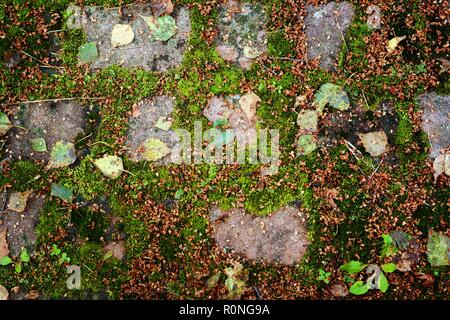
[(21, 226), (280, 237), (98, 22), (52, 121), (436, 121), (326, 25), (142, 127), (242, 35)]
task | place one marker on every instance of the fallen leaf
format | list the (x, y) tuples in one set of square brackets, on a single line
[(18, 201), (5, 124), (437, 249), (110, 166), (32, 295), (308, 120), (162, 29), (62, 155), (62, 192), (374, 17), (117, 249), (4, 294), (212, 281), (4, 249), (38, 145), (333, 95), (163, 123), (248, 103), (155, 149), (339, 291), (87, 53), (375, 143), (251, 53), (306, 144), (162, 7), (236, 281), (121, 35), (394, 42)]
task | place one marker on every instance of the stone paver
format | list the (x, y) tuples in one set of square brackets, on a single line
[(326, 26), (52, 121), (279, 237), (98, 23), (146, 114), (21, 226), (242, 35), (436, 121)]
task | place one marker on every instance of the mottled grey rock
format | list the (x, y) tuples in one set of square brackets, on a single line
[(436, 121), (21, 226), (98, 22), (53, 121), (142, 127), (242, 35), (325, 27), (279, 237)]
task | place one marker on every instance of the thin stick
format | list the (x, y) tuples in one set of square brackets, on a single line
[(40, 61), (340, 30), (376, 169), (83, 138), (52, 100), (290, 59)]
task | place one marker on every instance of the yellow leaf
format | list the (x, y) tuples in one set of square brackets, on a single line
[(393, 43)]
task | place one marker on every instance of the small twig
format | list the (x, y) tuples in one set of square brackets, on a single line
[(51, 100), (365, 99), (84, 138), (100, 142), (40, 61), (376, 169), (290, 59), (340, 30)]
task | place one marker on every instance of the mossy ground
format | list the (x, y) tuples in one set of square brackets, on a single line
[(202, 74)]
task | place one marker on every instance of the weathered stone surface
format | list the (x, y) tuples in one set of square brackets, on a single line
[(242, 35), (436, 121), (98, 23), (52, 121), (142, 127), (21, 226), (325, 27), (228, 110), (280, 237)]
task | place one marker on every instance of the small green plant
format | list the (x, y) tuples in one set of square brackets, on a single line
[(376, 279), (61, 255), (324, 276), (23, 258)]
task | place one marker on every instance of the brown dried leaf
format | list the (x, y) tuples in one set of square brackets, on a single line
[(18, 201), (4, 250)]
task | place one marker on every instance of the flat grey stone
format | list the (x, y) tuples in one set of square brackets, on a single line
[(280, 237), (325, 27), (242, 35), (436, 121), (98, 22), (21, 226), (53, 121)]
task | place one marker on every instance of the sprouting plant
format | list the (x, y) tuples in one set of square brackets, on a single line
[(61, 255), (23, 258), (376, 279), (324, 276)]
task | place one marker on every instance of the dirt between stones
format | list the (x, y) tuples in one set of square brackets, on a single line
[(280, 237)]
